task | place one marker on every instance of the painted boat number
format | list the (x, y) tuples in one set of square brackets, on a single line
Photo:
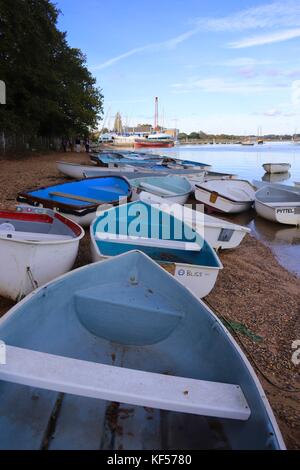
[(225, 235)]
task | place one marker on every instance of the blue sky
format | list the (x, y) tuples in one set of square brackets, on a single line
[(217, 66)]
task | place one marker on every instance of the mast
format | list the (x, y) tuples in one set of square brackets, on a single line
[(156, 114)]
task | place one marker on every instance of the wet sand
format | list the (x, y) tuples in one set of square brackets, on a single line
[(253, 290)]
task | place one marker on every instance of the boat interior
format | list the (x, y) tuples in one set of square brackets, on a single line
[(275, 196), (139, 223), (38, 227), (235, 190), (164, 187), (106, 189), (152, 325)]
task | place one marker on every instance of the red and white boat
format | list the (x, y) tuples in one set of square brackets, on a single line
[(154, 140), (36, 246)]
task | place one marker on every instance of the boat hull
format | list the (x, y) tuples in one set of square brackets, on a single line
[(276, 167), (29, 265), (147, 144), (45, 262), (177, 199), (200, 277), (72, 170), (287, 214), (221, 203), (219, 233), (200, 280)]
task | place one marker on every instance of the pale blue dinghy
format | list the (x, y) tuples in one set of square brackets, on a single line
[(118, 355), (169, 241), (176, 189), (153, 162)]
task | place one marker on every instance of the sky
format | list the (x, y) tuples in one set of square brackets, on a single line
[(217, 66)]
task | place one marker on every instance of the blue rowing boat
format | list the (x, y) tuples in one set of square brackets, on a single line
[(169, 241), (79, 200), (119, 355)]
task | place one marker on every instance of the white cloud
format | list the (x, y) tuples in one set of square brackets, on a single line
[(296, 93), (244, 62), (270, 38), (237, 123), (171, 43), (273, 112), (270, 15), (220, 85), (117, 58)]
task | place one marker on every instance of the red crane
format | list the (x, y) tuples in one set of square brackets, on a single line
[(156, 114)]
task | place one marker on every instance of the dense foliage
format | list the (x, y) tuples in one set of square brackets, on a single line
[(50, 91)]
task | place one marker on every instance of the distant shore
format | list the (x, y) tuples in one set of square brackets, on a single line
[(252, 290)]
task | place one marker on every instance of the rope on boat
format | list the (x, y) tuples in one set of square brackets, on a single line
[(31, 278)]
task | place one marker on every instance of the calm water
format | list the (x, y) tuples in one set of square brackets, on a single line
[(246, 162)]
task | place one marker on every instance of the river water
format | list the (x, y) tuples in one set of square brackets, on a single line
[(246, 162)]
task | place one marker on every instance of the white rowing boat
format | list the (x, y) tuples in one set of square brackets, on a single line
[(229, 196), (219, 233), (36, 246), (278, 205), (276, 167), (78, 172)]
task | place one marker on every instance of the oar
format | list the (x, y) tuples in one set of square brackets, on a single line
[(77, 198)]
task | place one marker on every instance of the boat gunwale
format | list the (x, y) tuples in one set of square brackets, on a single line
[(77, 237)]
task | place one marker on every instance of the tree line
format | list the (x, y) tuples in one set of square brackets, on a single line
[(49, 89)]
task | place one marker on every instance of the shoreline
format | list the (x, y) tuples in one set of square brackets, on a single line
[(253, 290)]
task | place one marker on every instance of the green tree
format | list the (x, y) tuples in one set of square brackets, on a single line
[(194, 135), (182, 136), (50, 91)]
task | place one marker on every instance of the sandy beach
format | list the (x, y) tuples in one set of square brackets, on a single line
[(254, 293)]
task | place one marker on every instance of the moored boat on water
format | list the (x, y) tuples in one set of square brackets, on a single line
[(79, 200), (276, 167), (230, 196), (130, 334), (158, 140), (169, 241), (278, 205), (36, 246)]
